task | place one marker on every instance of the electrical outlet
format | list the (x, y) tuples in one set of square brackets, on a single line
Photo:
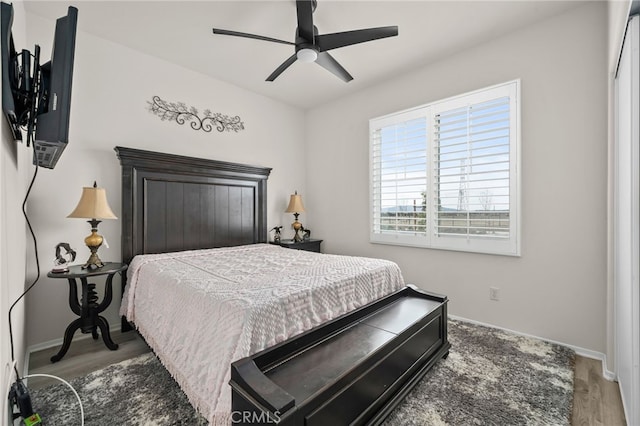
[(494, 293)]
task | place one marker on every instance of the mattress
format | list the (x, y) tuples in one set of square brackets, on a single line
[(201, 310)]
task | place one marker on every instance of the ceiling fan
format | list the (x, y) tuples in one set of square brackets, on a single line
[(312, 47)]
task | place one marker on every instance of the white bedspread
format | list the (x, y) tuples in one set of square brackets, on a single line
[(201, 310)]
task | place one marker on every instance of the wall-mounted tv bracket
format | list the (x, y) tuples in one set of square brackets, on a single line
[(21, 81), (26, 89)]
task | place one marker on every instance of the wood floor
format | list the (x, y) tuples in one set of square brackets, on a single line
[(596, 401), (83, 357)]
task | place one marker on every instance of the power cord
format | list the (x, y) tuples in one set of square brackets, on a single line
[(35, 248), (9, 369), (68, 385), (19, 394)]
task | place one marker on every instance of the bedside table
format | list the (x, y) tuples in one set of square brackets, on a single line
[(89, 308), (307, 245)]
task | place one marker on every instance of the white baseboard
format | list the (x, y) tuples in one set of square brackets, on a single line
[(587, 353)]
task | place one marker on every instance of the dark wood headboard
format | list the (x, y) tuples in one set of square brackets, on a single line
[(173, 203)]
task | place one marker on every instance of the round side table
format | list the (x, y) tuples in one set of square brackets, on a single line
[(88, 309)]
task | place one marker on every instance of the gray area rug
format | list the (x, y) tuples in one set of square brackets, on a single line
[(491, 377)]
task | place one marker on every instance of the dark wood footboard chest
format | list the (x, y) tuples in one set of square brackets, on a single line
[(352, 370)]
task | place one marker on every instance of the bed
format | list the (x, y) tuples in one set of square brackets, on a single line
[(189, 221)]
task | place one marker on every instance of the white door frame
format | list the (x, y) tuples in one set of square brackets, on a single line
[(627, 223)]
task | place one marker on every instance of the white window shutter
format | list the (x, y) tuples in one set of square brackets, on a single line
[(444, 175)]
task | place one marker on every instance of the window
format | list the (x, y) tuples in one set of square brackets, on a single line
[(445, 175)]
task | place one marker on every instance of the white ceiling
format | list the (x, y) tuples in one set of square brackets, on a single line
[(181, 32)]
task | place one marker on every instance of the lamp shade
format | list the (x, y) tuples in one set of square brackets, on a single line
[(93, 204), (295, 204)]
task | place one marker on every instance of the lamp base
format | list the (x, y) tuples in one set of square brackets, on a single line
[(93, 262), (93, 241), (297, 226)]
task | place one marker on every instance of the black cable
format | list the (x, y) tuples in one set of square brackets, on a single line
[(35, 248)]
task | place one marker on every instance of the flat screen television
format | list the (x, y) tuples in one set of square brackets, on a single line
[(54, 105), (50, 85)]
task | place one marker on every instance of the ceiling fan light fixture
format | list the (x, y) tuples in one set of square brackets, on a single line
[(307, 55)]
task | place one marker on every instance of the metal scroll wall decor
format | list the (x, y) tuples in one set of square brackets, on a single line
[(181, 113)]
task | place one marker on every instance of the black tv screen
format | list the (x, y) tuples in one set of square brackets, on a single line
[(54, 105)]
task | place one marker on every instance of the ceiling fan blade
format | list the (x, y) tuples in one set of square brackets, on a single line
[(329, 63), (286, 64), (305, 19), (246, 35), (326, 42)]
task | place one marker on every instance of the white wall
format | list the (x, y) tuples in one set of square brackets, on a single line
[(557, 288), (111, 87), (14, 174)]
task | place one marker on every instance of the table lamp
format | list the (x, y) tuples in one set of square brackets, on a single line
[(93, 205), (296, 207)]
